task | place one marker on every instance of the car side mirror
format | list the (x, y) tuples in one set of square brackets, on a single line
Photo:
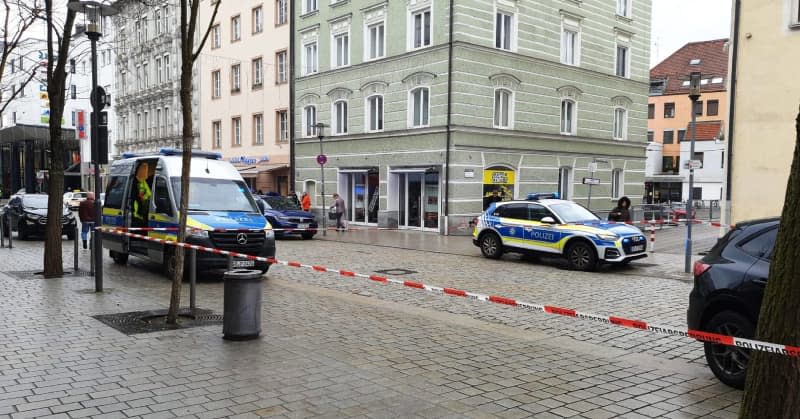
[(548, 220)]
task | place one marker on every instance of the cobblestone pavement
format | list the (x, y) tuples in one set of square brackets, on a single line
[(336, 347)]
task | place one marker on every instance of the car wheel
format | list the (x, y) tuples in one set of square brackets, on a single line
[(491, 246), (119, 258), (307, 236), (70, 233), (729, 363), (581, 257)]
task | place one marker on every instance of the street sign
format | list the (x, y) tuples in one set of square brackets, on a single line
[(591, 181), (694, 164), (322, 159)]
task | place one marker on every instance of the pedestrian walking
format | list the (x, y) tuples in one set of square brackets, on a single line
[(305, 202), (87, 216), (338, 208), (622, 212)]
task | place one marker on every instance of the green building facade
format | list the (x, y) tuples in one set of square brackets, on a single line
[(422, 122)]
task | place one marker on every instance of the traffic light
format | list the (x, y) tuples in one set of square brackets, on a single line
[(100, 139)]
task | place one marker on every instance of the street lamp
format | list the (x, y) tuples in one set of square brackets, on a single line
[(322, 159), (94, 13), (694, 94)]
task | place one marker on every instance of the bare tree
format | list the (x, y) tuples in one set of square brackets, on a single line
[(188, 27), (58, 44), (20, 17)]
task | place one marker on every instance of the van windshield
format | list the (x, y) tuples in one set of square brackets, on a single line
[(216, 195)]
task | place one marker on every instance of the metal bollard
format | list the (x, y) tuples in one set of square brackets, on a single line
[(710, 212), (2, 234), (91, 253), (192, 278), (10, 233), (230, 262), (75, 238)]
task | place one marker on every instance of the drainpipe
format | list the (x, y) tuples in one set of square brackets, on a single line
[(731, 112), (449, 119), (292, 168)]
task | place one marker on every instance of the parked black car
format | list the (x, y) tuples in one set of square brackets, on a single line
[(286, 217), (27, 214), (729, 284)]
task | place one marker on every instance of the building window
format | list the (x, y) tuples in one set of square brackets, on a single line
[(668, 136), (159, 74), (309, 6), (620, 124), (699, 156), (668, 164), (236, 78), (157, 18), (258, 20), (280, 68), (565, 182), (216, 83), (503, 30), (282, 125), (216, 134), (712, 108), (650, 136), (145, 76), (503, 103), (166, 18), (420, 28), (570, 42), (258, 129), (281, 12), (617, 183), (158, 123), (341, 44), (216, 37), (310, 59), (624, 8), (698, 107), (72, 66), (623, 61), (669, 110), (73, 91), (258, 72), (568, 121), (681, 135), (374, 113), (236, 28), (651, 111), (340, 117), (420, 107), (309, 121), (376, 39), (236, 131), (167, 72)]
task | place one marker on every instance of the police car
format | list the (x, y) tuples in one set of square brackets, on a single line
[(544, 224)]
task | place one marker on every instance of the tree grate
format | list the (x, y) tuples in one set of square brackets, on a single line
[(37, 274), (136, 322)]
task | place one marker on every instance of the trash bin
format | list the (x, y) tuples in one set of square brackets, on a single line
[(242, 304)]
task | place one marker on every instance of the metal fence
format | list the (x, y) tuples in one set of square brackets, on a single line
[(670, 212)]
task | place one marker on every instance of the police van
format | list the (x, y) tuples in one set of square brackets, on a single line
[(145, 190), (545, 224)]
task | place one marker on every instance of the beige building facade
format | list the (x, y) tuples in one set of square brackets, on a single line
[(244, 94), (764, 104)]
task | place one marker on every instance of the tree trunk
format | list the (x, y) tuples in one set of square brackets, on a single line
[(773, 381)]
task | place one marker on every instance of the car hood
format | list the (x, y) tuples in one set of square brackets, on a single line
[(288, 213), (43, 211), (599, 226), (210, 220)]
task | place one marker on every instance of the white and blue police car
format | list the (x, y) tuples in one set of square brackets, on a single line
[(544, 224)]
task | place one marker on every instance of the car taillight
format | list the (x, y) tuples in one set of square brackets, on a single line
[(700, 268)]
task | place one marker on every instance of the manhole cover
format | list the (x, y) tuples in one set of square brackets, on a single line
[(38, 274), (136, 322), (396, 271)]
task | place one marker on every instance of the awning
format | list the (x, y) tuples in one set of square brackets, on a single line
[(253, 171), (249, 171)]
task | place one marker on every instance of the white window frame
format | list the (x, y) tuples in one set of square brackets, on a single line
[(623, 40), (794, 18), (310, 6), (236, 28), (158, 122), (565, 182), (411, 27), (619, 130), (509, 109), (236, 131), (339, 122), (216, 134), (281, 12), (309, 121), (368, 41), (412, 108), (617, 183), (624, 8), (216, 84), (157, 18), (573, 128), (369, 114), (145, 75), (216, 36), (167, 73), (314, 67), (340, 57), (236, 78), (282, 121), (159, 74), (280, 63), (257, 65), (258, 19), (512, 32), (571, 25), (258, 129)]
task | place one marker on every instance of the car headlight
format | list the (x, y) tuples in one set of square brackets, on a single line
[(269, 233), (607, 236), (197, 233), (32, 216)]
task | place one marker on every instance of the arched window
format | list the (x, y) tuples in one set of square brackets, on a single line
[(340, 117), (620, 124), (309, 121), (568, 117), (419, 107), (503, 108), (374, 113)]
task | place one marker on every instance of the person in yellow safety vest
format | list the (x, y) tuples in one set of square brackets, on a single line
[(143, 195)]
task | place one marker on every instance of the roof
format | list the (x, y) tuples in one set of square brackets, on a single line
[(713, 62), (201, 167), (706, 130), (39, 134)]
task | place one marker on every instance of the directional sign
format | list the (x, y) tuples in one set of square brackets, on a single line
[(591, 181), (322, 159), (694, 164)]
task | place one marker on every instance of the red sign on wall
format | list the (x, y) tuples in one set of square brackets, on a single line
[(81, 125)]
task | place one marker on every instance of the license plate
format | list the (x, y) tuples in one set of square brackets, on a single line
[(302, 226), (243, 263), (637, 248)]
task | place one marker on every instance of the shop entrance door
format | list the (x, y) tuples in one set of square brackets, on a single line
[(419, 200)]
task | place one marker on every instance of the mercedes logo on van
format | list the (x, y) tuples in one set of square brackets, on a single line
[(241, 238)]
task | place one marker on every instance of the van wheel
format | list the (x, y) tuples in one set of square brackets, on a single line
[(307, 236), (581, 257), (119, 258), (729, 363), (491, 246)]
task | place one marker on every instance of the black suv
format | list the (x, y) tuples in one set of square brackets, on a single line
[(27, 214), (728, 287)]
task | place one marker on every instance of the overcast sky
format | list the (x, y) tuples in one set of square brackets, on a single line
[(677, 22)]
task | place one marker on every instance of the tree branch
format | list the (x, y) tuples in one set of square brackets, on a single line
[(207, 32)]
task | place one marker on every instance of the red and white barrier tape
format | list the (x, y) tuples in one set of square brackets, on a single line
[(787, 350), (238, 230)]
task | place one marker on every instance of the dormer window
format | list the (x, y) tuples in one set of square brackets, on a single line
[(694, 61)]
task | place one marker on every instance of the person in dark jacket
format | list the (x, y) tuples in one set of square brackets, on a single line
[(87, 216), (622, 212)]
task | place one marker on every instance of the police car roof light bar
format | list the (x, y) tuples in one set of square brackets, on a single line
[(538, 195), (167, 151), (129, 155)]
